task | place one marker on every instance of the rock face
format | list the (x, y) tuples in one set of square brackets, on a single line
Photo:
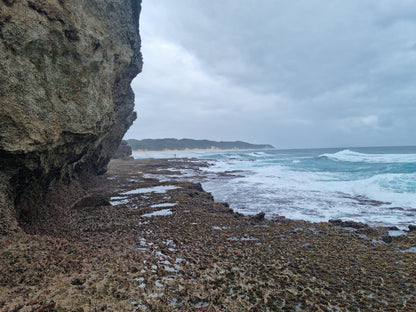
[(123, 152), (66, 102)]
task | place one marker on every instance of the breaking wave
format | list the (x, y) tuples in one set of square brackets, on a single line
[(351, 156)]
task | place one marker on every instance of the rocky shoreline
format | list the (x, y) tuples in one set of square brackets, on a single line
[(133, 242)]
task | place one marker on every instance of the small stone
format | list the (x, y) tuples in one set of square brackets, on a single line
[(77, 282), (259, 217), (349, 224), (354, 225), (337, 222), (9, 2), (412, 227), (387, 239)]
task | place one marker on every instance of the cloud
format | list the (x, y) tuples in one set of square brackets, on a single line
[(177, 90), (292, 73), (363, 123)]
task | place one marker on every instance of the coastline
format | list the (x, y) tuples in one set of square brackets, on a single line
[(136, 243), (197, 150)]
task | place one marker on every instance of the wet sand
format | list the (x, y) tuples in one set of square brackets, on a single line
[(170, 247)]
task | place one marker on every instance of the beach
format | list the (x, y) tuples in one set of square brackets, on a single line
[(191, 150), (136, 242)]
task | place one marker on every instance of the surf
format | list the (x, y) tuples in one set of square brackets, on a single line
[(352, 156)]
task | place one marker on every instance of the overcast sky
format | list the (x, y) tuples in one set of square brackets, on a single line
[(292, 73)]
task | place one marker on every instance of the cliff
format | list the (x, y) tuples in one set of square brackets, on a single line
[(183, 144), (66, 102), (123, 152)]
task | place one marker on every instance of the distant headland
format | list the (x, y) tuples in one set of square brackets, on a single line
[(170, 144)]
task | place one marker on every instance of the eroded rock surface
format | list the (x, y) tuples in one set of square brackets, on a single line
[(66, 102), (123, 152)]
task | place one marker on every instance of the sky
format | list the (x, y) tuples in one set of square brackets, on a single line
[(294, 74)]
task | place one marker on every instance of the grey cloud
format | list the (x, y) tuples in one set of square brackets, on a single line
[(291, 73)]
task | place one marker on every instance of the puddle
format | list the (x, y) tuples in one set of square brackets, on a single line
[(156, 189), (163, 205), (163, 212), (394, 233), (411, 249)]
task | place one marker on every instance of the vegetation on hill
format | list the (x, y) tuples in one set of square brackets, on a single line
[(183, 144)]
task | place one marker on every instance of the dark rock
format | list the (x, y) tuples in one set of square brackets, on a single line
[(238, 215), (349, 224), (226, 208), (259, 217), (9, 2), (276, 217), (368, 231), (92, 201), (66, 101), (412, 227), (196, 186), (354, 225), (337, 222), (387, 239), (193, 194), (223, 208), (123, 152), (77, 282)]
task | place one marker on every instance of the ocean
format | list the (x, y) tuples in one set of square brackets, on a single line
[(374, 185)]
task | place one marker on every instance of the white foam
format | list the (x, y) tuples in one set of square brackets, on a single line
[(155, 189), (298, 185), (398, 189), (317, 196), (351, 156), (259, 154)]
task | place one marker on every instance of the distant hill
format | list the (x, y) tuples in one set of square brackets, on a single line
[(185, 144)]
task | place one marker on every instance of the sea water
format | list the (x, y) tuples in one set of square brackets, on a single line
[(376, 186)]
